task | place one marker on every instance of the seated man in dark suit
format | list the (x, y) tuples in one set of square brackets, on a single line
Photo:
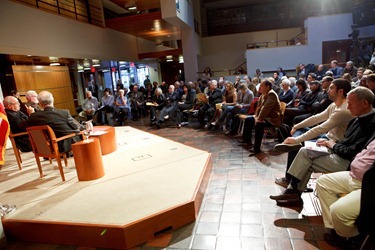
[(60, 120), (16, 117)]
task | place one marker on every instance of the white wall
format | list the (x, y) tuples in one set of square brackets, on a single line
[(228, 51), (25, 30), (319, 29)]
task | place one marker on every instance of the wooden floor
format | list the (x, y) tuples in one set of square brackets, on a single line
[(150, 184)]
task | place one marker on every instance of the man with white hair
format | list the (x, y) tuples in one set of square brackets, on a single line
[(350, 69), (89, 106), (214, 95), (286, 94), (31, 101)]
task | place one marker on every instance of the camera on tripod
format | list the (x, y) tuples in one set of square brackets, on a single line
[(355, 32)]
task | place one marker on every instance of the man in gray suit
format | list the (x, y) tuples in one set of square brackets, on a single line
[(60, 120)]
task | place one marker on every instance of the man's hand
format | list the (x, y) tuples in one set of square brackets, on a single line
[(327, 143), (29, 110), (290, 140), (293, 131)]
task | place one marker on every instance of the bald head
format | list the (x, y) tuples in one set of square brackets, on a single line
[(45, 99)]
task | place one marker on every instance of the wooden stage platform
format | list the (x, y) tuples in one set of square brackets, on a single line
[(150, 184)]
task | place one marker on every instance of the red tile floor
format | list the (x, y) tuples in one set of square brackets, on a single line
[(236, 212)]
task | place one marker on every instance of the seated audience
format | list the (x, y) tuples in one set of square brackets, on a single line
[(158, 104), (214, 96), (311, 77), (331, 124), (358, 77), (267, 114), (336, 70), (350, 69), (321, 103), (304, 105), (136, 99), (60, 121), (15, 118), (107, 106), (89, 106), (371, 85), (302, 91), (169, 106), (186, 102), (339, 154), (16, 94), (122, 107), (340, 213), (320, 72), (286, 94), (229, 102)]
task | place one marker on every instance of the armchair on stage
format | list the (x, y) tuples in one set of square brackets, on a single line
[(45, 144)]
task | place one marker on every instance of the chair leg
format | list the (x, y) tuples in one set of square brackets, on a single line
[(364, 242), (60, 168), (39, 166), (17, 154)]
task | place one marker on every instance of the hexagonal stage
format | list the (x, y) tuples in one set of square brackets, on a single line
[(150, 184)]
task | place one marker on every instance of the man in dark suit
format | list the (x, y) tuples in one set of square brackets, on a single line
[(16, 117), (60, 120), (336, 69)]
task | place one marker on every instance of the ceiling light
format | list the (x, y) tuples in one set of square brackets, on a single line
[(87, 68), (54, 64), (80, 71), (95, 63), (169, 60), (132, 8)]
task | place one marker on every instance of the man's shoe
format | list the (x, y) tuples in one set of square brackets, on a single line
[(288, 195), (286, 203), (282, 182), (334, 239), (166, 117), (283, 147), (254, 152), (242, 141)]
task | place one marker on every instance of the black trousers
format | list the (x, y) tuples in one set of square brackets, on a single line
[(258, 130)]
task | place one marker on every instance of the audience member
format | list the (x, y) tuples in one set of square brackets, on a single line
[(258, 74), (186, 102), (336, 69), (89, 106), (339, 154), (301, 71), (136, 99), (304, 105), (340, 213), (15, 118), (108, 101), (157, 104), (286, 94), (170, 105), (359, 76), (267, 114), (350, 69), (121, 107), (214, 96), (320, 72), (330, 124), (371, 85), (16, 94)]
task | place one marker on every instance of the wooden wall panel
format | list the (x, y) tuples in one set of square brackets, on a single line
[(55, 79)]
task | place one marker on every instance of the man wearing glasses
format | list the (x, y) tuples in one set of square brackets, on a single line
[(16, 118), (31, 101)]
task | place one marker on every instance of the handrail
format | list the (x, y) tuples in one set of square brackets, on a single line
[(266, 44)]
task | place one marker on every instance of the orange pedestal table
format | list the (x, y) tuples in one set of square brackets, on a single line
[(107, 138), (88, 159)]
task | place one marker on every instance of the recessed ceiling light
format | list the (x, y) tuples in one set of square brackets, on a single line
[(132, 8), (54, 64)]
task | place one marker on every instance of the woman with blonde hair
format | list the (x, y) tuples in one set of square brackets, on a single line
[(229, 102)]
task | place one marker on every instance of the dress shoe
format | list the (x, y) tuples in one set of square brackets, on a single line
[(282, 182), (286, 203), (242, 141), (284, 147), (334, 239), (179, 125), (254, 152), (288, 195)]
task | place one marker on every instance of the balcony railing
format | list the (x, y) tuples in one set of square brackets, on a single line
[(88, 11)]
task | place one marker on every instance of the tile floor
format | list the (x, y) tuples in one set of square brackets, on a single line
[(236, 212)]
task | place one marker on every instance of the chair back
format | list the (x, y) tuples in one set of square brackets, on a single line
[(43, 141), (282, 111)]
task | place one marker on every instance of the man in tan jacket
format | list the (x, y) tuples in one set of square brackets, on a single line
[(267, 114)]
